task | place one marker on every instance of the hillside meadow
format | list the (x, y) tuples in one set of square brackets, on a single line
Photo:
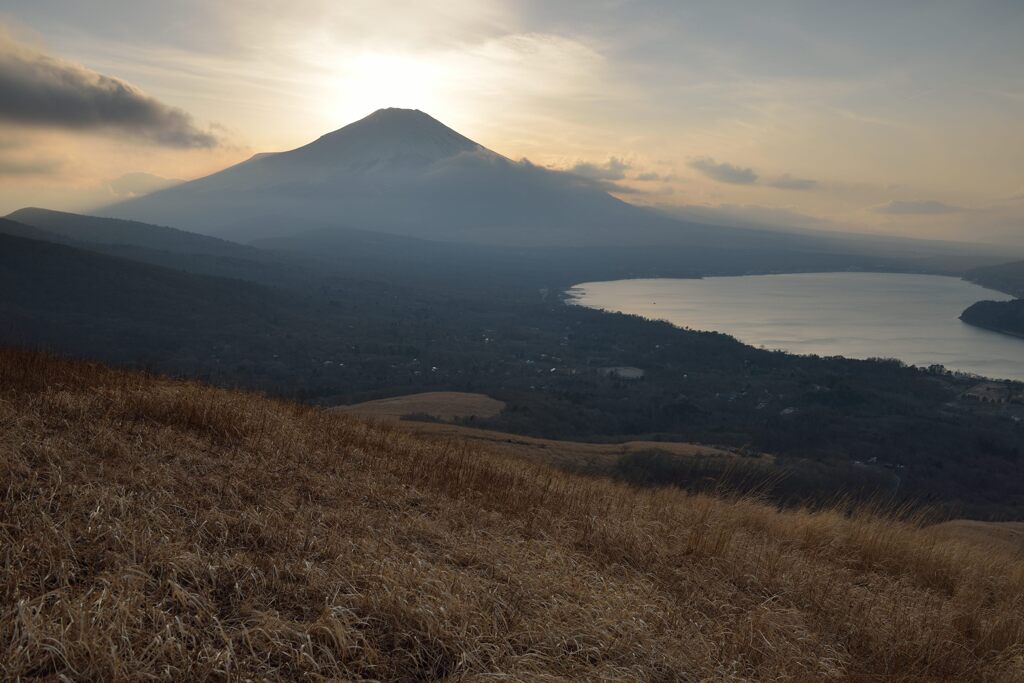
[(166, 530)]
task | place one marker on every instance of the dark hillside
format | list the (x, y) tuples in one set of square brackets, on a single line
[(999, 316), (112, 231), (1006, 277), (160, 246), (61, 297)]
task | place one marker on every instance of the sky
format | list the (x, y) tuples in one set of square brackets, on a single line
[(897, 118)]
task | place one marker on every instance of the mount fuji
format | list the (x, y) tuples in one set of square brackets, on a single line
[(402, 172)]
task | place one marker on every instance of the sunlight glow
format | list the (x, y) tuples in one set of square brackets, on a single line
[(376, 80)]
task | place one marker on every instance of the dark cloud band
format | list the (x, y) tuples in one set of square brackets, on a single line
[(919, 208), (724, 173), (37, 89), (614, 169)]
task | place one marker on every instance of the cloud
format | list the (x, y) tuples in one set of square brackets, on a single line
[(723, 173), (788, 182), (31, 167), (651, 176), (137, 184), (928, 207), (613, 169), (41, 90), (739, 175), (751, 216), (607, 177)]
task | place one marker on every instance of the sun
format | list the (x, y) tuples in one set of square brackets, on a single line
[(373, 81)]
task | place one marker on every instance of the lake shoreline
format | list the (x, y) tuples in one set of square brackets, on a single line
[(915, 318)]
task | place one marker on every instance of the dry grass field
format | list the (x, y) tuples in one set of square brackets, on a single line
[(443, 405), (1008, 536), (573, 455), (164, 530)]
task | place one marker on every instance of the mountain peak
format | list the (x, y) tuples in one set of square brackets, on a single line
[(386, 137), (394, 112)]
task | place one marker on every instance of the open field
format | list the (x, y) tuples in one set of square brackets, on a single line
[(694, 467), (158, 529), (575, 455), (1006, 536), (443, 405)]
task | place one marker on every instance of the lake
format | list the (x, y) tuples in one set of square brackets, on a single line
[(858, 315)]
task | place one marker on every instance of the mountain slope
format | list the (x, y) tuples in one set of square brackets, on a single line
[(403, 172), (156, 529), (79, 301), (79, 228), (1005, 277), (296, 261), (999, 316), (160, 246), (16, 229)]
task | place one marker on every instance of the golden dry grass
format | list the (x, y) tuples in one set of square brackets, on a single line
[(572, 455), (1006, 536), (444, 405), (157, 529)]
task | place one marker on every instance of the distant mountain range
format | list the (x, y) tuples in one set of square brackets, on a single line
[(297, 261)]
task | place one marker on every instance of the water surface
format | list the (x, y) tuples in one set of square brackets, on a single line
[(858, 315)]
